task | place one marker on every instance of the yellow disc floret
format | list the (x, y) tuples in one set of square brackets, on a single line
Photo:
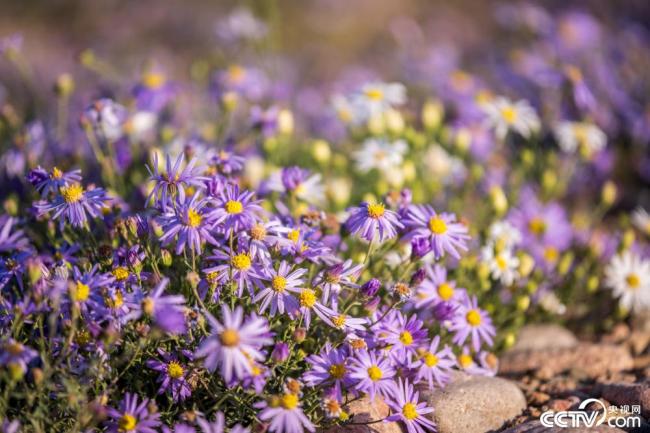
[(127, 422), (376, 210), (175, 370), (409, 411), (279, 283), (473, 317), (229, 337), (234, 207), (437, 226), (307, 298), (337, 371), (375, 373), (241, 261), (193, 218), (445, 291), (72, 193)]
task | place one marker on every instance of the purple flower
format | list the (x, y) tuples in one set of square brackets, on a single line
[(167, 311), (234, 343), (133, 417), (11, 240), (15, 356), (238, 267), (370, 287), (471, 321), (329, 368), (227, 162), (218, 426), (436, 288), (333, 280), (445, 234), (236, 211), (106, 117), (372, 373), (280, 352), (406, 407), (404, 335), (434, 365), (278, 292), (420, 246), (173, 376), (74, 204), (190, 223), (369, 219), (47, 183), (174, 180), (284, 414)]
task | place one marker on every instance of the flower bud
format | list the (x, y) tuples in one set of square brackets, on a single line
[(370, 287), (166, 257), (299, 335), (609, 193), (526, 265), (280, 352), (432, 114), (372, 305), (420, 247), (193, 279), (498, 200), (321, 151), (592, 284), (285, 122), (522, 302), (418, 277), (628, 239), (64, 85)]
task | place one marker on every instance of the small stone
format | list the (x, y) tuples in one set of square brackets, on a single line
[(559, 405), (537, 427), (621, 394), (593, 360), (364, 410), (475, 404), (546, 336), (537, 398)]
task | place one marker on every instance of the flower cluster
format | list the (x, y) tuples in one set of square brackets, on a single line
[(249, 252)]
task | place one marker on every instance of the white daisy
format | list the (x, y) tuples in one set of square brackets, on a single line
[(375, 98), (628, 275), (504, 235), (641, 220), (582, 136), (443, 166), (503, 265), (380, 154), (504, 115)]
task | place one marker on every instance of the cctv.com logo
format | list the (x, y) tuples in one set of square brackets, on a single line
[(580, 418)]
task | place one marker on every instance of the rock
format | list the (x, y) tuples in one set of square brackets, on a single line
[(546, 336), (475, 404), (592, 360), (621, 394), (537, 427), (365, 410)]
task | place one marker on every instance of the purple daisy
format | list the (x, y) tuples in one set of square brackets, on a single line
[(167, 311), (434, 365), (238, 267), (278, 292), (404, 335), (446, 235), (218, 425), (235, 210), (471, 321), (74, 204), (190, 223), (370, 219), (333, 280), (173, 375), (284, 414), (372, 373), (46, 183), (437, 288), (404, 401), (15, 356), (329, 368), (174, 180), (133, 417), (11, 240), (234, 343)]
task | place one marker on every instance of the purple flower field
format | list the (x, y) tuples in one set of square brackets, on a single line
[(249, 217)]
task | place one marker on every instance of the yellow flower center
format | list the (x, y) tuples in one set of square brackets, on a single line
[(236, 73), (80, 292), (234, 207), (307, 298), (501, 262), (374, 94), (537, 226), (445, 291), (465, 360), (409, 411), (258, 232), (153, 80), (121, 273), (14, 348), (126, 423), (117, 301), (241, 261), (72, 194), (193, 218), (551, 254), (376, 210), (437, 226), (375, 373), (473, 317), (229, 337), (402, 289), (279, 283), (430, 360), (633, 281), (148, 305), (509, 114), (289, 401), (294, 235), (56, 173), (339, 320), (337, 371), (406, 338), (175, 370)]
